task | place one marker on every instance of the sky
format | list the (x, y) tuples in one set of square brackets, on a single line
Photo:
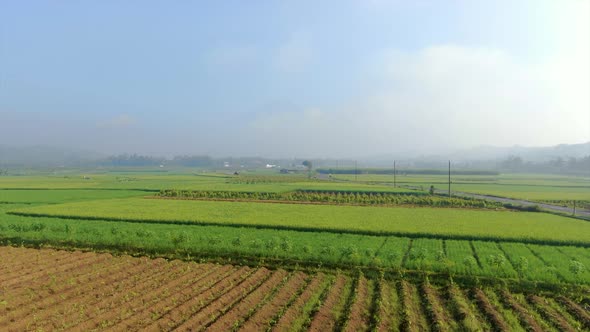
[(294, 78)]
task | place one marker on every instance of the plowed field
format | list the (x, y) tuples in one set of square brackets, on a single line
[(83, 291)]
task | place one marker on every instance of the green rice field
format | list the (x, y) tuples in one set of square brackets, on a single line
[(449, 223), (120, 212)]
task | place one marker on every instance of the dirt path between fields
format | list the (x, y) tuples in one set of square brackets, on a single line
[(579, 211), (583, 213)]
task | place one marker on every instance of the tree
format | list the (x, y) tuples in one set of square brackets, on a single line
[(576, 268), (521, 265), (512, 163), (309, 166)]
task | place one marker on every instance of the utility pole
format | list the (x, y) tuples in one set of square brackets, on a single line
[(355, 171), (449, 178), (394, 184), (574, 214)]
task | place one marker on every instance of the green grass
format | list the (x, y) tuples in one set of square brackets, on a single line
[(36, 196), (235, 244), (494, 262), (311, 235), (198, 181), (417, 222)]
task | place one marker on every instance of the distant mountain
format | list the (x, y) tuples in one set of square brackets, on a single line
[(537, 154), (477, 157), (45, 156)]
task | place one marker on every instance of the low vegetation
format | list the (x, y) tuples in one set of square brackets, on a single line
[(466, 224), (340, 197)]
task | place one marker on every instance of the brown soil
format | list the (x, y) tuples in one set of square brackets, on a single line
[(576, 310), (23, 295), (413, 319), (137, 296), (468, 318), (46, 266), (490, 311), (359, 318), (295, 310), (75, 291), (65, 308), (435, 309), (386, 309), (234, 317), (261, 320), (210, 313), (22, 306), (523, 313), (146, 316), (550, 313), (325, 320), (214, 289)]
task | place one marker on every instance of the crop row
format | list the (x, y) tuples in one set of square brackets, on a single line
[(335, 197), (428, 222), (552, 264), (129, 294)]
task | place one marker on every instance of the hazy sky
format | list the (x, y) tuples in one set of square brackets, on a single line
[(293, 78)]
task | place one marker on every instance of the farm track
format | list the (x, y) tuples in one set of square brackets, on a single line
[(76, 291), (580, 212)]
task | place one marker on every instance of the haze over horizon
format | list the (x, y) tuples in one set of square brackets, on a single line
[(295, 78)]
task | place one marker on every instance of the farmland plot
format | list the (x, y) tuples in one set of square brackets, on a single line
[(52, 290)]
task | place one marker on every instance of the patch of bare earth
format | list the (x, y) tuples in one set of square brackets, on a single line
[(210, 313), (325, 319), (261, 320), (549, 313), (495, 318), (296, 309), (576, 310), (523, 313), (359, 318)]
